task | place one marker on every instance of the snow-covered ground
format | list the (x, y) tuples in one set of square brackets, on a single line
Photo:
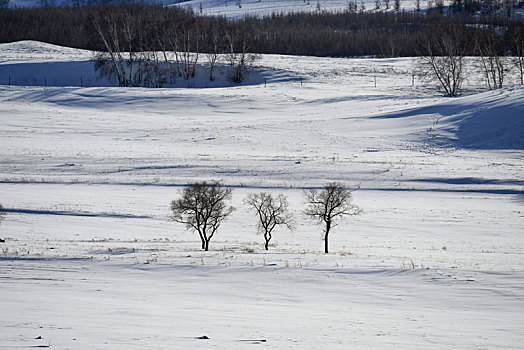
[(92, 261)]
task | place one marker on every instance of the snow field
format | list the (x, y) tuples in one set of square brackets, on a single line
[(91, 260)]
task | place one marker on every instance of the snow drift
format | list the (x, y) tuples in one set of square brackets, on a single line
[(491, 120)]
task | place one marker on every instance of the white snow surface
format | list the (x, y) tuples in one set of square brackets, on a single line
[(92, 261)]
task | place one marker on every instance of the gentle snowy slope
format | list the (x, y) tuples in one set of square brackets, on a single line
[(110, 306), (91, 259)]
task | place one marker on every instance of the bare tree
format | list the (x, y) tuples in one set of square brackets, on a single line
[(202, 207), (187, 38), (124, 35), (491, 51), (108, 26), (271, 211), (216, 47), (329, 206), (442, 56), (239, 42), (166, 36)]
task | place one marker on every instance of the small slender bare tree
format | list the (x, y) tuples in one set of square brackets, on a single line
[(216, 47), (271, 211), (202, 207), (329, 206)]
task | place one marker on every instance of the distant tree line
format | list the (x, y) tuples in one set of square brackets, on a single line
[(337, 34), (151, 45)]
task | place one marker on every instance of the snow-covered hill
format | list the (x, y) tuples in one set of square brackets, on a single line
[(91, 259)]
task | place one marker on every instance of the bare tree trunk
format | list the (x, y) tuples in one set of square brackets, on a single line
[(326, 235), (267, 236)]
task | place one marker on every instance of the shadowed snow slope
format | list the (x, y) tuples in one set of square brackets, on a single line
[(492, 120)]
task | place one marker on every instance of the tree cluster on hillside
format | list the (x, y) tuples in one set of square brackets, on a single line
[(202, 207), (153, 48), (443, 50)]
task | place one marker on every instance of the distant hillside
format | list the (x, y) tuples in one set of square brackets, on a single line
[(239, 8)]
